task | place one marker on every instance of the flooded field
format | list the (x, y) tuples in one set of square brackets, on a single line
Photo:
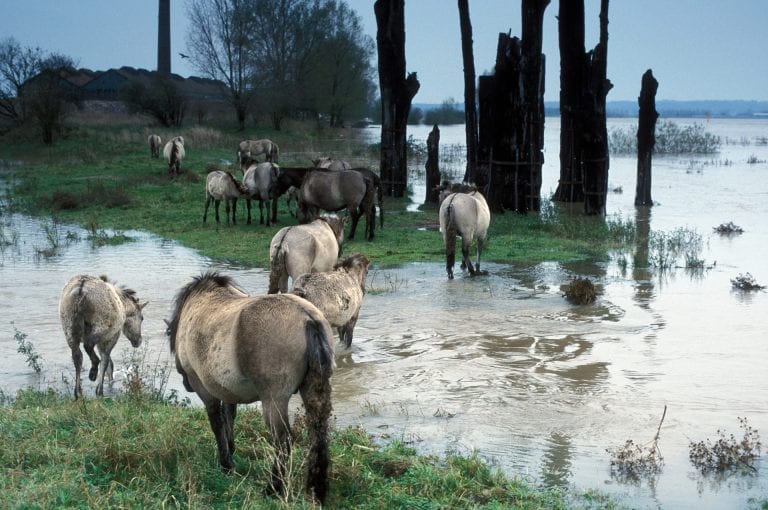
[(502, 365)]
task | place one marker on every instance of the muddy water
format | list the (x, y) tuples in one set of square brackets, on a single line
[(502, 364)]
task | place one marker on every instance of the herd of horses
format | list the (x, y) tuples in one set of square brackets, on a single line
[(231, 347)]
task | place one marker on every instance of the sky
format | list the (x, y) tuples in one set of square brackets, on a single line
[(697, 49)]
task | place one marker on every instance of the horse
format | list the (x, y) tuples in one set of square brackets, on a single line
[(260, 180), (93, 311), (155, 142), (220, 185), (300, 249), (337, 293), (291, 200), (466, 214), (231, 348), (173, 152), (328, 163), (336, 190), (252, 148)]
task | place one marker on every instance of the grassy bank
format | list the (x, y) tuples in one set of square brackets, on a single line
[(103, 178), (136, 451)]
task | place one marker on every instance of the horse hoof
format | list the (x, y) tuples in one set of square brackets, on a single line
[(92, 373)]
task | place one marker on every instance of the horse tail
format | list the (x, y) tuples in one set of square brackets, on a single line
[(316, 395), (451, 231), (277, 265), (76, 315)]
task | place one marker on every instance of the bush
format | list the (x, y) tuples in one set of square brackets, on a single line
[(670, 139)]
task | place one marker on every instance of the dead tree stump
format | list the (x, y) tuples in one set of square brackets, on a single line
[(433, 166), (646, 137)]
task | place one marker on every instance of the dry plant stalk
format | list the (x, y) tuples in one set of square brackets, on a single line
[(634, 461)]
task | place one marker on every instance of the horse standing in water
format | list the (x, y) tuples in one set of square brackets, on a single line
[(300, 249), (220, 185), (93, 311), (155, 142), (173, 152), (232, 349), (463, 212), (338, 293)]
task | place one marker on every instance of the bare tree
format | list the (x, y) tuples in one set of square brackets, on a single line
[(17, 65), (220, 46)]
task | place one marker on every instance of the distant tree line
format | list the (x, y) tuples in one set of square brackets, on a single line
[(284, 58), (447, 113)]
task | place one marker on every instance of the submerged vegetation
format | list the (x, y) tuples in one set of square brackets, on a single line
[(671, 139), (728, 452)]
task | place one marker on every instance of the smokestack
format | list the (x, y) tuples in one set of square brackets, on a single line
[(164, 38)]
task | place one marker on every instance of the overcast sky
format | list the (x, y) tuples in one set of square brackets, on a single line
[(697, 49)]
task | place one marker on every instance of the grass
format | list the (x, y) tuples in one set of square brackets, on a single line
[(125, 189), (135, 451)]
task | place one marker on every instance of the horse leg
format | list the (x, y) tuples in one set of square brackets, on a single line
[(466, 259), (207, 203), (94, 360), (220, 423), (234, 211), (77, 357), (276, 418), (216, 204), (105, 365), (248, 206), (346, 331), (274, 209), (261, 212), (480, 242), (226, 211), (355, 214), (230, 413)]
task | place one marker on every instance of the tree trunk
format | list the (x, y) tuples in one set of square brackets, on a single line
[(164, 38), (397, 92), (433, 166), (470, 104), (511, 136), (584, 158), (646, 138)]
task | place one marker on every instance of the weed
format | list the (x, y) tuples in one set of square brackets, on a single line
[(729, 228), (580, 291), (746, 282), (391, 283), (28, 349), (727, 452), (665, 248), (633, 461), (670, 139)]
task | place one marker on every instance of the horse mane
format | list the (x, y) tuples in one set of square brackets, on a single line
[(206, 281), (354, 260), (457, 187), (126, 292)]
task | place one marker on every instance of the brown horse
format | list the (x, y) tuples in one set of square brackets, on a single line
[(232, 348), (329, 163), (220, 185), (338, 293), (464, 214), (252, 148), (93, 311), (300, 249), (334, 191)]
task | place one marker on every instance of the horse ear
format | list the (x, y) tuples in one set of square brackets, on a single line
[(142, 305)]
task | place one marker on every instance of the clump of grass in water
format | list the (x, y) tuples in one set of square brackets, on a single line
[(580, 291), (633, 461), (666, 248), (27, 349), (727, 453), (391, 283), (729, 228), (746, 282)]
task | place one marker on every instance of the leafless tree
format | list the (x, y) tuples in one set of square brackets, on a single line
[(49, 96), (17, 65), (220, 42)]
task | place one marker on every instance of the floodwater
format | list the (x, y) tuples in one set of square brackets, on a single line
[(502, 365)]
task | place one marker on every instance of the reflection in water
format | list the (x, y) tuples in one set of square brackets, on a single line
[(556, 463)]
